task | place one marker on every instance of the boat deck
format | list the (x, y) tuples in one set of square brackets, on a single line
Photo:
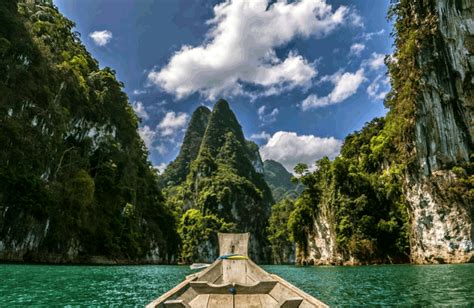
[(235, 283)]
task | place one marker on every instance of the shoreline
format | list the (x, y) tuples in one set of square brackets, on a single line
[(142, 263)]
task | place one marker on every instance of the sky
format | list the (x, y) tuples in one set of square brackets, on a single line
[(300, 75)]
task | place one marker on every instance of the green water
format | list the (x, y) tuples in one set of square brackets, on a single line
[(401, 285)]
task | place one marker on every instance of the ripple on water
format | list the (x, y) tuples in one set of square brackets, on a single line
[(386, 285)]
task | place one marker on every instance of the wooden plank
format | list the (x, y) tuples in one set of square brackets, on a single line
[(306, 297), (176, 303), (234, 271), (189, 294), (219, 280), (233, 243), (280, 293), (256, 272), (291, 302), (212, 274), (200, 301), (203, 287), (247, 301), (220, 301), (267, 301), (217, 263), (170, 293)]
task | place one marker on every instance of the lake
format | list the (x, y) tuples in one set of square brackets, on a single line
[(401, 285)]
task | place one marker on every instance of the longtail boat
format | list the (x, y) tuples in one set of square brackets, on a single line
[(233, 280)]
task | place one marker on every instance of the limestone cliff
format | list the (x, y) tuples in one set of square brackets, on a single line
[(404, 190), (442, 228), (177, 170)]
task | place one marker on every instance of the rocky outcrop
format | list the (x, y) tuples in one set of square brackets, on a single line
[(178, 169), (442, 228), (321, 249)]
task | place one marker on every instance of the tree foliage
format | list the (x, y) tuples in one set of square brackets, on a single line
[(195, 229), (72, 159), (362, 192), (222, 181)]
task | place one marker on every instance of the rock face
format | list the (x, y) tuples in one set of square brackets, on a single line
[(321, 248), (437, 185), (177, 171), (442, 228)]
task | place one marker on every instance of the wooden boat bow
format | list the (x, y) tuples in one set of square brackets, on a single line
[(235, 282)]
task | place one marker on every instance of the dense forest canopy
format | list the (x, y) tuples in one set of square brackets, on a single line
[(74, 179)]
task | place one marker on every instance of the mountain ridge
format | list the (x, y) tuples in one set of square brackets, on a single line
[(224, 187)]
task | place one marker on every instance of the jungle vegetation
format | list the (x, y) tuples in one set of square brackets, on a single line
[(74, 173)]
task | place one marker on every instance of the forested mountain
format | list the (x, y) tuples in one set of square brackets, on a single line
[(177, 170), (224, 190), (402, 188), (352, 209), (279, 181), (75, 182)]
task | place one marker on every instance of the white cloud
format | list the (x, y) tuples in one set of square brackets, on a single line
[(369, 35), (168, 127), (290, 149), (357, 48), (140, 110), (345, 85), (139, 92), (161, 167), (261, 136), (267, 117), (161, 148), (101, 38), (147, 134), (376, 61), (379, 87), (356, 20), (172, 122), (240, 48)]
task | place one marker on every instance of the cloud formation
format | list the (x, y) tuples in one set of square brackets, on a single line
[(101, 38), (263, 135), (161, 148), (379, 88), (147, 134), (168, 127), (345, 85), (376, 61), (367, 36), (172, 122), (240, 48), (356, 49), (140, 110), (267, 117), (138, 92), (290, 149)]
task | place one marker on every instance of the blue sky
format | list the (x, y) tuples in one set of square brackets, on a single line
[(300, 75)]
